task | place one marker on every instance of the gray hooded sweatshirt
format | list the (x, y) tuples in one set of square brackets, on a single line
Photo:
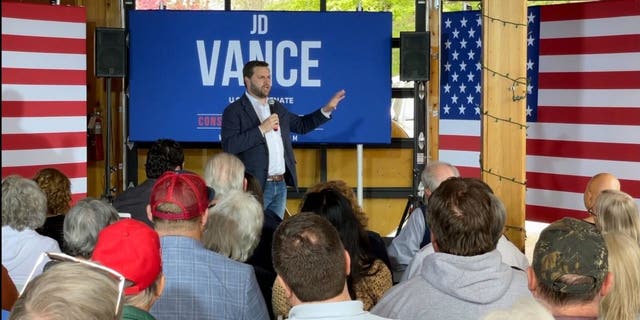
[(455, 287)]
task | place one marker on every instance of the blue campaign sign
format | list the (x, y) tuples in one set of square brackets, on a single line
[(185, 67)]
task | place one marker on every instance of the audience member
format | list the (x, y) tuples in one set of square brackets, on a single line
[(261, 259), (597, 184), (83, 223), (570, 272), (510, 254), (259, 133), (376, 244), (9, 291), (312, 267), (224, 172), (415, 234), (616, 211), (24, 209), (623, 301), (262, 254), (57, 187), (199, 283), (132, 248), (465, 278), (369, 278), (70, 291), (233, 225), (164, 155)]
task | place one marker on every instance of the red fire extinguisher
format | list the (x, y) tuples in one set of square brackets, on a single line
[(95, 144)]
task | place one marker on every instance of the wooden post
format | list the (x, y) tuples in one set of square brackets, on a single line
[(433, 99), (504, 30)]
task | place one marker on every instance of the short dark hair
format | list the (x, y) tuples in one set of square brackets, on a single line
[(309, 257), (247, 71), (164, 155), (461, 217)]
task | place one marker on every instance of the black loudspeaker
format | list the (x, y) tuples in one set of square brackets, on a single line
[(110, 52), (414, 56)]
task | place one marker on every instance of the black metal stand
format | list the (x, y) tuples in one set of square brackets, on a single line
[(412, 203), (107, 152)]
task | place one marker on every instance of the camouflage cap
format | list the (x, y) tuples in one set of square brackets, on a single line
[(570, 246)]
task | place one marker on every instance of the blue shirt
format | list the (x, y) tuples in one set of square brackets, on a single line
[(201, 284)]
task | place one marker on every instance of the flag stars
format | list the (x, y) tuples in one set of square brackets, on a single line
[(479, 20), (455, 33), (470, 99), (463, 22), (478, 43), (530, 18), (454, 99), (463, 43), (470, 76), (462, 88), (530, 40), (463, 66), (478, 66), (461, 109), (446, 108), (454, 77), (455, 54), (471, 54), (529, 88), (447, 66), (447, 44), (472, 33), (478, 88), (477, 110), (529, 111), (447, 23), (447, 87), (530, 64)]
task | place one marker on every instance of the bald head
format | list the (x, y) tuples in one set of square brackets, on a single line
[(434, 173), (599, 182)]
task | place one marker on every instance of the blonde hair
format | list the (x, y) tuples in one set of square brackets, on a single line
[(234, 225), (617, 211), (344, 189), (69, 291), (623, 301)]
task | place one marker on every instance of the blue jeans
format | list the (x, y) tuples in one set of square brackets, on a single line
[(275, 197)]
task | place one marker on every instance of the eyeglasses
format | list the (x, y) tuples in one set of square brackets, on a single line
[(61, 257)]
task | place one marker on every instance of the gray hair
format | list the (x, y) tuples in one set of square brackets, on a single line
[(224, 172), (83, 223), (500, 216), (430, 177), (617, 211), (234, 225), (69, 290), (24, 205)]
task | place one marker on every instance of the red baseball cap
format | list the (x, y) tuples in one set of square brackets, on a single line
[(184, 189), (133, 249)]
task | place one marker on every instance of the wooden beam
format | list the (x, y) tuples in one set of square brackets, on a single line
[(504, 30), (433, 98)]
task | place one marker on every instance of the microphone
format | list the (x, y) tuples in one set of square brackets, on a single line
[(272, 109)]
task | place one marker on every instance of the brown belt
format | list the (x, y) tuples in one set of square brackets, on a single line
[(276, 178)]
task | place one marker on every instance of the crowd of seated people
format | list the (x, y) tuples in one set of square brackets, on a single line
[(205, 248)]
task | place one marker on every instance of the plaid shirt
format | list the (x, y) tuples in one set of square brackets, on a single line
[(201, 284)]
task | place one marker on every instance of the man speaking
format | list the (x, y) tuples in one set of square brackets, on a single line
[(258, 130)]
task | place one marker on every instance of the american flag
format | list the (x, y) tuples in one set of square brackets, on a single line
[(44, 91), (583, 100)]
